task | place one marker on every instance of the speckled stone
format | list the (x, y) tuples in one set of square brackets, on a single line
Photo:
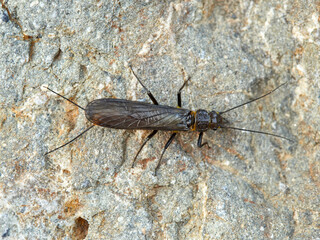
[(245, 186)]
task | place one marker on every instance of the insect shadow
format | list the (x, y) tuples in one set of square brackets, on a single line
[(133, 115)]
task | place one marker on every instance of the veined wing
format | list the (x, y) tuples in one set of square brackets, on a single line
[(125, 114)]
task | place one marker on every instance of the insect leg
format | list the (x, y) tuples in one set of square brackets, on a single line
[(179, 92), (165, 148), (144, 143), (145, 88), (200, 144)]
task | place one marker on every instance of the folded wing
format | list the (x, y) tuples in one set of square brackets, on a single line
[(125, 114)]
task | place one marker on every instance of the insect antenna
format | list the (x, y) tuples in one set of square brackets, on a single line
[(250, 130), (76, 136), (255, 131), (255, 99)]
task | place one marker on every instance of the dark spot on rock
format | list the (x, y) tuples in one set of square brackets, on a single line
[(80, 229), (4, 16), (6, 234)]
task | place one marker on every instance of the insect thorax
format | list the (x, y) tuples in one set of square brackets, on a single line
[(202, 120)]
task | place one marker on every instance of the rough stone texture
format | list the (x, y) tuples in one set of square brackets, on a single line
[(245, 186)]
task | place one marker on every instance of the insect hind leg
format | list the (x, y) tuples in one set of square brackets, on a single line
[(144, 143), (153, 99)]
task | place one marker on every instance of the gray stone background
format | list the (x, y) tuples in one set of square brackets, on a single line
[(245, 186)]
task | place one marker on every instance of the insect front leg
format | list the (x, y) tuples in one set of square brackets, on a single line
[(200, 144)]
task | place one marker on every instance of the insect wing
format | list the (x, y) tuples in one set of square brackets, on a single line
[(125, 114)]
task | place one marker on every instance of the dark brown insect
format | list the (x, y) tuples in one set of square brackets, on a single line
[(126, 114)]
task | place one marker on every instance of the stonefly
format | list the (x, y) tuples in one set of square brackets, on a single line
[(126, 114)]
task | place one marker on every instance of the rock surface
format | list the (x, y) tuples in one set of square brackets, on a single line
[(245, 186)]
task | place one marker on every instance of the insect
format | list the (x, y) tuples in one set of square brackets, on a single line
[(126, 114)]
